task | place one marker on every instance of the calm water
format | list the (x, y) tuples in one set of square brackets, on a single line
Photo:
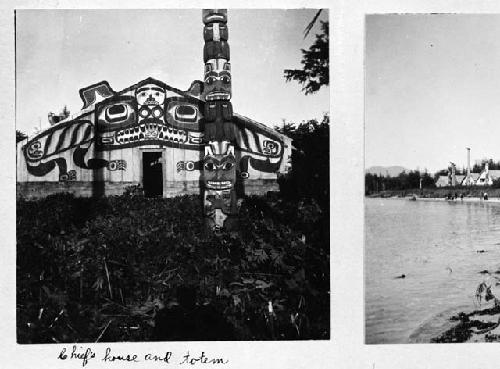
[(424, 240)]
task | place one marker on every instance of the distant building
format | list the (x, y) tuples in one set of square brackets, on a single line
[(460, 179), (495, 174), (486, 177), (442, 181), (472, 179)]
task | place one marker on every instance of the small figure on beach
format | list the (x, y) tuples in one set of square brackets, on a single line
[(485, 196), (461, 197)]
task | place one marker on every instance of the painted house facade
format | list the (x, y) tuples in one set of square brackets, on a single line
[(149, 135)]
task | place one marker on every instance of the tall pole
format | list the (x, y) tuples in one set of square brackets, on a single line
[(468, 180), (219, 161)]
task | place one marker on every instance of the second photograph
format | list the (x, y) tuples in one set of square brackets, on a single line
[(432, 178)]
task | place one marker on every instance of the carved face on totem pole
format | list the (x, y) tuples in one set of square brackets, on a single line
[(219, 175), (219, 166), (214, 16), (217, 80), (215, 32), (220, 209)]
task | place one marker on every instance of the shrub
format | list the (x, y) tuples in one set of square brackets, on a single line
[(309, 177), (100, 269)]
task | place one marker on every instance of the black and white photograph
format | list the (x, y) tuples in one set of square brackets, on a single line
[(432, 178), (172, 175), (239, 184)]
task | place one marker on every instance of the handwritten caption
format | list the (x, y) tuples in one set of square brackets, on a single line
[(86, 355)]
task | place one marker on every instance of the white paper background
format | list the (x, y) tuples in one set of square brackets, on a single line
[(346, 349)]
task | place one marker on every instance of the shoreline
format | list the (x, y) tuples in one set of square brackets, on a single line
[(465, 199), (456, 326), (415, 197), (473, 193)]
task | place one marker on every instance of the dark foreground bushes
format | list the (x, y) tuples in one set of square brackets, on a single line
[(104, 269), (310, 172)]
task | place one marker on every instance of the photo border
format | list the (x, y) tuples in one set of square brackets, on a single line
[(240, 354)]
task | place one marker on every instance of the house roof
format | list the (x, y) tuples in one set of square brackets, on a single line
[(442, 180), (192, 93), (494, 173), (241, 119)]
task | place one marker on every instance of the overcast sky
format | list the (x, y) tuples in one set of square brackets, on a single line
[(60, 51), (432, 89)]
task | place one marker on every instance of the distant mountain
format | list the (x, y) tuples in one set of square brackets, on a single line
[(393, 171)]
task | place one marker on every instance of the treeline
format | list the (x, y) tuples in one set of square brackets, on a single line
[(479, 165), (309, 176), (404, 181)]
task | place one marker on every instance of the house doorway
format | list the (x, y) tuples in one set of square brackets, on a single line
[(152, 174)]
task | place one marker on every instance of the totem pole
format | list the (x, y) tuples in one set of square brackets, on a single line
[(219, 161), (453, 177)]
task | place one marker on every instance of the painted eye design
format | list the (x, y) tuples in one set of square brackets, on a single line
[(117, 113), (226, 79), (144, 112), (210, 167), (227, 166), (34, 150), (157, 112), (117, 109), (210, 80), (186, 113)]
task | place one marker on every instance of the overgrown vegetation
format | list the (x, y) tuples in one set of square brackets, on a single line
[(100, 269), (309, 177)]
